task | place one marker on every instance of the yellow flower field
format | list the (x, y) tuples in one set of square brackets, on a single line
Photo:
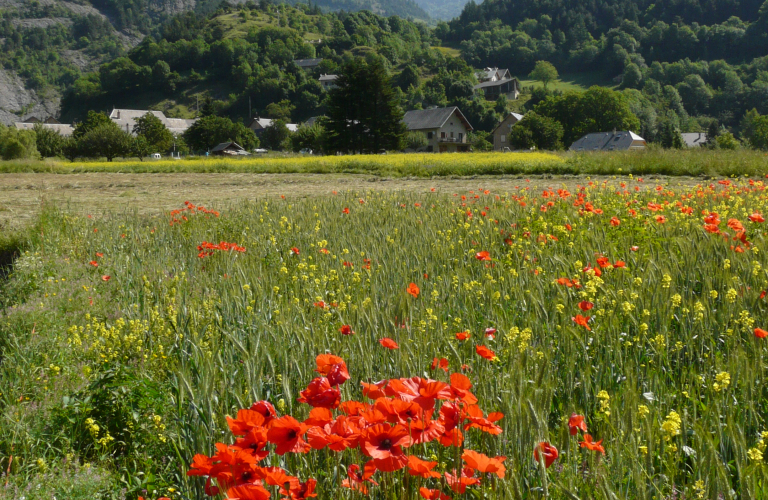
[(607, 340)]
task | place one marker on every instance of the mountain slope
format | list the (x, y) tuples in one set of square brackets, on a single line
[(444, 10)]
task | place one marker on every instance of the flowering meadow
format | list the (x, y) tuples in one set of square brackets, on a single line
[(602, 339)]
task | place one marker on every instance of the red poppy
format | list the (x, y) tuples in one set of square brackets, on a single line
[(756, 217), (299, 490), (346, 210), (374, 391), (356, 480), (760, 333), (585, 305), (294, 251), (462, 335), (389, 343), (332, 367), (320, 394), (548, 453), (441, 363), (460, 389), (384, 443), (248, 492), (459, 483), (413, 289), (320, 304), (265, 408), (582, 321), (619, 264), (661, 219), (324, 251), (106, 278), (429, 494), (490, 333), (246, 421), (484, 255), (576, 423), (763, 294), (482, 463), (94, 263), (201, 465), (615, 221), (634, 248), (99, 254), (736, 225), (286, 433), (346, 330), (591, 445), (603, 262), (485, 352), (421, 468)]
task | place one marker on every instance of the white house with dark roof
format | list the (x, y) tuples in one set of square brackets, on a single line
[(126, 120), (495, 82), (609, 141), (328, 81), (446, 129)]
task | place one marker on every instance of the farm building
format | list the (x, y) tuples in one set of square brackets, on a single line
[(609, 141), (446, 128)]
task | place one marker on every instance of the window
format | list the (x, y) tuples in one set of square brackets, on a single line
[(461, 136), (451, 135), (442, 135), (503, 138), (429, 135)]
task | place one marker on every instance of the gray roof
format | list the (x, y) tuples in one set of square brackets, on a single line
[(64, 129), (423, 119), (225, 145), (491, 73), (266, 122), (307, 63), (497, 83), (126, 119), (694, 139), (607, 141), (328, 78), (516, 116)]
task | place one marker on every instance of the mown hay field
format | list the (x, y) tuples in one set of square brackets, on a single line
[(469, 332)]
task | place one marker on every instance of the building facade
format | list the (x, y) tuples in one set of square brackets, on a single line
[(501, 132), (446, 129)]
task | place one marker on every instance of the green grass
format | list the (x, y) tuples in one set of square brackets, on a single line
[(157, 355), (578, 82), (657, 161)]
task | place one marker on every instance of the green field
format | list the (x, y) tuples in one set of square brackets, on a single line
[(578, 82)]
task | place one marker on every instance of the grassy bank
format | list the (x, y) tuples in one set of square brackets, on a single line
[(698, 162)]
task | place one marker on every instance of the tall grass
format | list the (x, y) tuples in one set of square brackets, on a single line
[(160, 352)]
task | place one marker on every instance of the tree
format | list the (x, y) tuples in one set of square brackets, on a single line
[(70, 148), (154, 132), (277, 136), (544, 72), (308, 137), (280, 110), (141, 148), (536, 131), (409, 76), (480, 140), (415, 140), (754, 129), (363, 111), (726, 140), (92, 120), (211, 130), (17, 144), (105, 140), (633, 77), (49, 142), (668, 134)]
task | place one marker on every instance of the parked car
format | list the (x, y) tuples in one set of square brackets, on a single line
[(260, 151), (306, 151), (155, 156)]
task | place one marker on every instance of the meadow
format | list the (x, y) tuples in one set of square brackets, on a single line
[(652, 161), (602, 340)]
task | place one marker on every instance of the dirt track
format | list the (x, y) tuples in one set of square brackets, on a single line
[(21, 195)]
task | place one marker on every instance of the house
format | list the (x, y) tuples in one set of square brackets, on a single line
[(126, 120), (501, 132), (307, 64), (446, 128), (609, 141), (228, 149), (695, 139), (64, 129), (494, 88), (258, 125), (328, 81), (493, 75)]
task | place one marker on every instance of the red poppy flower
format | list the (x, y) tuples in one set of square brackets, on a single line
[(586, 305), (94, 263), (603, 262), (462, 335), (634, 248), (421, 468), (246, 421), (332, 367), (460, 389), (482, 463), (615, 221), (429, 494), (619, 264), (324, 251), (201, 465), (413, 289), (299, 490), (459, 483), (591, 445), (490, 333), (582, 321), (265, 408), (106, 278), (99, 254), (484, 255), (576, 423), (374, 391), (346, 210), (485, 352), (346, 330), (760, 333), (548, 453), (320, 394), (763, 294), (389, 343), (661, 219), (384, 443), (294, 251), (441, 363), (321, 304), (756, 217), (248, 492), (286, 433), (356, 480)]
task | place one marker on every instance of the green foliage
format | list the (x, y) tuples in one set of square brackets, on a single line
[(154, 132), (415, 141), (209, 131), (106, 141), (280, 110), (754, 129), (536, 131), (277, 136), (93, 119), (141, 148), (49, 142), (363, 111), (308, 137), (726, 140), (544, 72), (17, 144)]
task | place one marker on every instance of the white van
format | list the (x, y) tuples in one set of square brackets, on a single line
[(155, 156)]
